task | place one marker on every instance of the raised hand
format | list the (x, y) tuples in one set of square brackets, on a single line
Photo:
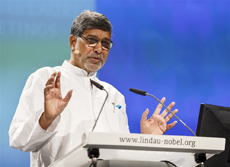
[(54, 104), (157, 123)]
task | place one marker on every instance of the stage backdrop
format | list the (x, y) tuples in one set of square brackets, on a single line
[(174, 49)]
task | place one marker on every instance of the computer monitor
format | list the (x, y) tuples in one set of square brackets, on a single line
[(214, 121)]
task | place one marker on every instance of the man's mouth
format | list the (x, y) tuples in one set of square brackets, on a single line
[(95, 59)]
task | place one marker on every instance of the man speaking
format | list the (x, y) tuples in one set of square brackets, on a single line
[(58, 105)]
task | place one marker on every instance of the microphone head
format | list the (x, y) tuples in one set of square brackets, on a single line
[(140, 92), (76, 52), (99, 86)]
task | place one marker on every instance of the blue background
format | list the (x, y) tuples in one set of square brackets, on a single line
[(178, 49)]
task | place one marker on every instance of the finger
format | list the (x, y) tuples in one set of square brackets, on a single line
[(57, 81), (144, 115), (68, 96), (51, 79), (171, 125), (165, 112), (169, 117), (47, 88), (159, 106)]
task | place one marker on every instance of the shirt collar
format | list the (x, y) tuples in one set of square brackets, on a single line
[(77, 70)]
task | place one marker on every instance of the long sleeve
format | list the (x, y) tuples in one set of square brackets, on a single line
[(68, 130), (25, 132)]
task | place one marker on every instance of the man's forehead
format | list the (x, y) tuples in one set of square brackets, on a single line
[(101, 34)]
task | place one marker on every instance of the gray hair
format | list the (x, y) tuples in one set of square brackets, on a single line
[(90, 20)]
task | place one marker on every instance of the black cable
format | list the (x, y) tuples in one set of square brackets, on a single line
[(95, 164), (168, 162)]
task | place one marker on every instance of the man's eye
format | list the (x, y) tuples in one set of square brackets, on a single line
[(105, 43), (92, 40)]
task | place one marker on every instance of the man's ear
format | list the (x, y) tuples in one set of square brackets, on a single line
[(72, 42)]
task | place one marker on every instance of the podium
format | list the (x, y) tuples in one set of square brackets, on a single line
[(123, 150)]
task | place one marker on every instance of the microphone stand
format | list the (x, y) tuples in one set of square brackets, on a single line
[(172, 114), (107, 94), (199, 157), (93, 153)]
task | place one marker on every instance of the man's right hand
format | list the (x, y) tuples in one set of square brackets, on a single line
[(54, 104)]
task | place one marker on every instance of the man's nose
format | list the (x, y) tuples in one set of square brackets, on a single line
[(98, 47)]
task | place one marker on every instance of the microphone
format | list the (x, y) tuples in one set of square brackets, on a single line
[(99, 86), (140, 92), (144, 93), (76, 52)]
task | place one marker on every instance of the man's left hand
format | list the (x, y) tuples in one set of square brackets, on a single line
[(157, 123)]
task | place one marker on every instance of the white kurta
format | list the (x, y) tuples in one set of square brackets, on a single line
[(66, 131)]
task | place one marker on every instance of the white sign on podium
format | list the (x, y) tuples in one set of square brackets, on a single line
[(147, 148)]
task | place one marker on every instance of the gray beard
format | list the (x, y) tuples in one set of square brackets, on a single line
[(93, 68)]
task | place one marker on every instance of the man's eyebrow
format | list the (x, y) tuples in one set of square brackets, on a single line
[(97, 37), (107, 39), (92, 36)]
